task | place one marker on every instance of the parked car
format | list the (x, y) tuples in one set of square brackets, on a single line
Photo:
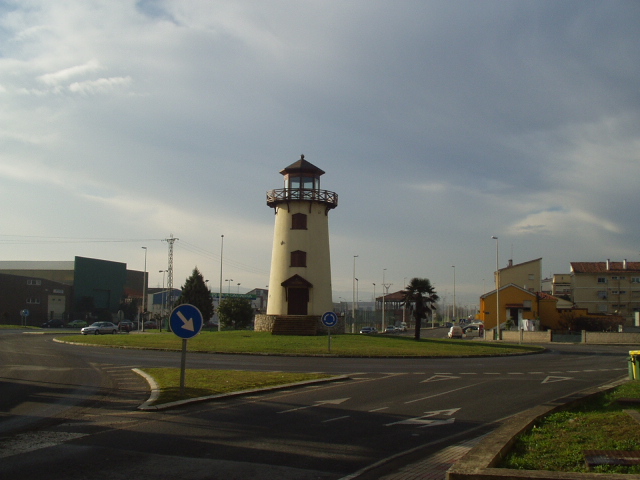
[(455, 332), (150, 324), (403, 327), (77, 324), (54, 323), (391, 329), (474, 330), (97, 328), (125, 326), (368, 330)]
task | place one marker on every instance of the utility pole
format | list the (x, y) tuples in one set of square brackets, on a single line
[(170, 241)]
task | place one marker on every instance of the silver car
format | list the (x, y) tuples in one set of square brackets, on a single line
[(99, 327)]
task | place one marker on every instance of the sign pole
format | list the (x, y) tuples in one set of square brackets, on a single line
[(185, 322), (329, 319), (183, 362)]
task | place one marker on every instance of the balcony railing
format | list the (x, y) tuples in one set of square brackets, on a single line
[(330, 199)]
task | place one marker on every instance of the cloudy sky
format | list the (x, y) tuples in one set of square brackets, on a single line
[(438, 123)]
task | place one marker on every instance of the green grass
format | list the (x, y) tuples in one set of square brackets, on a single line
[(203, 383), (341, 345), (14, 327), (557, 441)]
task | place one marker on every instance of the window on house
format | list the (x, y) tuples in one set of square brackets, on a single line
[(298, 221), (635, 279), (33, 301), (531, 276), (602, 294), (526, 305), (602, 307), (298, 258), (32, 281), (602, 280)]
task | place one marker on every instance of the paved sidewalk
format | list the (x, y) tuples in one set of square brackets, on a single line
[(435, 466)]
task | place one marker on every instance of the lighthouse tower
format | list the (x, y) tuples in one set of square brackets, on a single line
[(300, 280)]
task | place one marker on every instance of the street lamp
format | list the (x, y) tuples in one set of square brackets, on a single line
[(238, 290), (375, 304), (383, 290), (353, 302), (229, 285), (144, 286), (497, 292), (220, 289), (164, 296), (454, 293)]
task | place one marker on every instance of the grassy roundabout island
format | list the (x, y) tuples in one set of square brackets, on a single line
[(249, 342), (204, 383)]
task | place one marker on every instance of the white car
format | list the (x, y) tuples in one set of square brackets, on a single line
[(97, 328), (474, 330), (455, 332)]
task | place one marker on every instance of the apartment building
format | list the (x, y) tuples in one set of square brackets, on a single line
[(607, 287), (527, 275)]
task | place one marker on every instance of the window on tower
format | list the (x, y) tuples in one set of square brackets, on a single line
[(298, 258), (298, 221)]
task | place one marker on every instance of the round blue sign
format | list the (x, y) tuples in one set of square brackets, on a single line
[(329, 319), (185, 321)]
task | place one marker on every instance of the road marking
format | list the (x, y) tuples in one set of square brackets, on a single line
[(426, 420), (439, 394), (556, 379), (336, 401), (378, 409), (439, 377), (334, 419)]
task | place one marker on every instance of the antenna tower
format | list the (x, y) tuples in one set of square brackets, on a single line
[(170, 241)]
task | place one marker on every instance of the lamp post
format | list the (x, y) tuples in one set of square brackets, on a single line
[(229, 284), (374, 298), (144, 286), (383, 306), (454, 293), (353, 299), (164, 296), (238, 289), (220, 289), (497, 292)]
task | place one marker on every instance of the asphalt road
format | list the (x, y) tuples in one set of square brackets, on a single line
[(71, 412)]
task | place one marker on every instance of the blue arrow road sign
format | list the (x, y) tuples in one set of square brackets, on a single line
[(186, 321), (329, 319)]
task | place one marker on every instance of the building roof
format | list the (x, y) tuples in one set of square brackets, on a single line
[(604, 267), (302, 166), (519, 264), (36, 265)]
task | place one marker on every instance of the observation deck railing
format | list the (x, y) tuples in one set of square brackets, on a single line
[(279, 195)]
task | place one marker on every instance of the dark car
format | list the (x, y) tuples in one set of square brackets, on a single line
[(368, 330), (77, 324), (53, 324), (125, 326), (150, 324)]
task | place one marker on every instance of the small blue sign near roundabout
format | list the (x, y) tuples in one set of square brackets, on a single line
[(186, 321), (329, 319)]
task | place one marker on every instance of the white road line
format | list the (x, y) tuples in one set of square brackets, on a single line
[(439, 394)]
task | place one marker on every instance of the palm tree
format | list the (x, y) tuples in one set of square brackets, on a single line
[(420, 297)]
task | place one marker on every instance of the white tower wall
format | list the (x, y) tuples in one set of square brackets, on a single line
[(314, 240)]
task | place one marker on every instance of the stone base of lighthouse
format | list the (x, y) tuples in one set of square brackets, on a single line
[(295, 325)]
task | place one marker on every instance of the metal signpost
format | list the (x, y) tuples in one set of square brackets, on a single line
[(24, 314), (185, 322), (329, 319)]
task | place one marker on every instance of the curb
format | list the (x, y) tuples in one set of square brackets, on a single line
[(155, 392), (480, 462)]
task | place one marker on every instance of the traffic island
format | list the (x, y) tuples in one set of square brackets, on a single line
[(480, 463)]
